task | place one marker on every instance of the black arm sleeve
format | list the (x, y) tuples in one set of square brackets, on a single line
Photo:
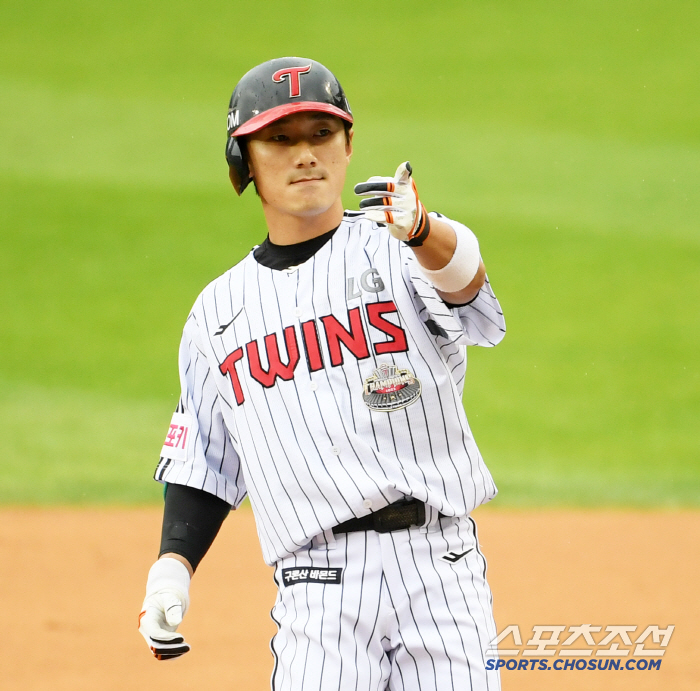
[(191, 521)]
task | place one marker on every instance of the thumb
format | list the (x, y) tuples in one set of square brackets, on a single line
[(403, 173), (172, 607)]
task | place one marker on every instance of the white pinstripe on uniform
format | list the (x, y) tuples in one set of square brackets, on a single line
[(273, 365), (401, 615), (314, 454)]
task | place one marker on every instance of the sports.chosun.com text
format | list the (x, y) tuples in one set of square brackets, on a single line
[(574, 664)]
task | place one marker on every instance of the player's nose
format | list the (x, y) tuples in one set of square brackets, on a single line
[(305, 155)]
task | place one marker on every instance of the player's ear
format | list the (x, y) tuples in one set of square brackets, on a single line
[(349, 134), (247, 157)]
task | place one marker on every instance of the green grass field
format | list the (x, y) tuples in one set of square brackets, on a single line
[(566, 135)]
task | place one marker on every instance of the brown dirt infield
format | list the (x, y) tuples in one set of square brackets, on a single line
[(72, 581)]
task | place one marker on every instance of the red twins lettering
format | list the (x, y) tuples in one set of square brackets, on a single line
[(275, 366), (228, 366), (312, 345), (374, 314), (338, 339), (354, 340), (293, 74)]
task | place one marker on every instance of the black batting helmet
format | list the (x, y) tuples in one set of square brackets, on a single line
[(271, 91)]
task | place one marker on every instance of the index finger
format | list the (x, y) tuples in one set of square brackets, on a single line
[(372, 187)]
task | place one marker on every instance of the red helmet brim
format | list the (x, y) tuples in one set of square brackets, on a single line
[(278, 112)]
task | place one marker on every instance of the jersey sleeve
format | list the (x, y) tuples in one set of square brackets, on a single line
[(480, 322), (199, 448)]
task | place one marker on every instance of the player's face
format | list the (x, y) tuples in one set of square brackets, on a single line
[(299, 163)]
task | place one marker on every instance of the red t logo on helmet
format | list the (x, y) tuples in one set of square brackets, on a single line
[(293, 74)]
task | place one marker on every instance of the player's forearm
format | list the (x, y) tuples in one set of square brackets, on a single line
[(436, 252), (191, 521), (449, 256)]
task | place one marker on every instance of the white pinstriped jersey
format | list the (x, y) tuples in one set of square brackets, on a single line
[(276, 367)]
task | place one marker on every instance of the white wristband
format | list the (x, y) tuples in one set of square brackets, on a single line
[(461, 269), (168, 573)]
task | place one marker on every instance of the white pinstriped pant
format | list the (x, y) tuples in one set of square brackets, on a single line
[(401, 618)]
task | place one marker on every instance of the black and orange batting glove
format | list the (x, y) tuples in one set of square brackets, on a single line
[(394, 202)]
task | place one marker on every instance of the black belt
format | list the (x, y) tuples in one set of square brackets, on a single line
[(397, 516)]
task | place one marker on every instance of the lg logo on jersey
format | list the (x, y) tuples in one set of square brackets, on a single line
[(327, 329), (370, 281)]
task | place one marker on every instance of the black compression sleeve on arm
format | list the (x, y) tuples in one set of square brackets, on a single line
[(191, 521)]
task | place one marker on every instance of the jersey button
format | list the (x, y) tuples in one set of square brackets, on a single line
[(367, 503), (336, 450), (297, 312), (313, 386)]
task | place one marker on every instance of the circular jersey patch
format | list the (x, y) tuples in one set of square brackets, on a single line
[(390, 388)]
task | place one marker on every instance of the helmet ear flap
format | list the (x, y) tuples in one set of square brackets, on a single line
[(238, 170)]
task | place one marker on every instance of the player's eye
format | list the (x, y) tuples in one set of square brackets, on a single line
[(323, 132), (279, 138)]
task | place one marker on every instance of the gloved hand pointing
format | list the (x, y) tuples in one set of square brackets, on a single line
[(397, 205)]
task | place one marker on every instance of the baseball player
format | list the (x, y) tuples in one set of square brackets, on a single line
[(322, 377)]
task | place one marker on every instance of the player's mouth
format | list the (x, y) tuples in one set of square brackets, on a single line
[(314, 178)]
